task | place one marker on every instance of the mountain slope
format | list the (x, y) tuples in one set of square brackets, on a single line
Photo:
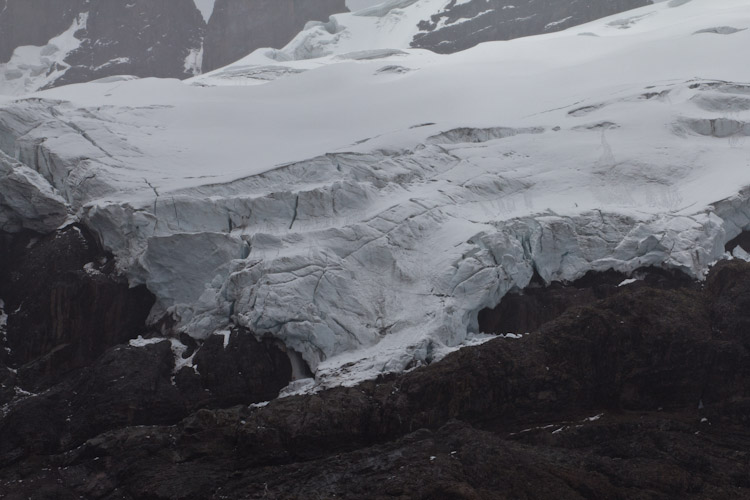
[(465, 24), (47, 44), (52, 43)]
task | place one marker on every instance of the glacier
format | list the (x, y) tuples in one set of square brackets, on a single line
[(364, 217)]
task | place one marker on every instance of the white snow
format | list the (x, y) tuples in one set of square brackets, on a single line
[(194, 61), (177, 347), (627, 282), (364, 217), (141, 342), (594, 418)]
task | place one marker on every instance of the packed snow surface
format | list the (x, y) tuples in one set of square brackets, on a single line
[(366, 206)]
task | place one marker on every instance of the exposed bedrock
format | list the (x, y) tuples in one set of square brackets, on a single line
[(462, 25), (643, 394), (527, 310), (66, 303), (34, 22), (139, 37), (237, 27)]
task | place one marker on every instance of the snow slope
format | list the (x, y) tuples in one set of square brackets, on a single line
[(364, 209)]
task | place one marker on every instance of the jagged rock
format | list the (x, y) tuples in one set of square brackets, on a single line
[(237, 27), (140, 37), (66, 303), (465, 24), (529, 309), (234, 369)]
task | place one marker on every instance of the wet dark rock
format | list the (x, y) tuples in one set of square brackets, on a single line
[(527, 310), (237, 27), (465, 24), (66, 304), (126, 386), (243, 371)]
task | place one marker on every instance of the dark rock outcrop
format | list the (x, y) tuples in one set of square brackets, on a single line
[(642, 394), (234, 370), (138, 37), (237, 27), (526, 311), (465, 24), (34, 22), (66, 303)]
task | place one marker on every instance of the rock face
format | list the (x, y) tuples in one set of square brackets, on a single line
[(34, 22), (643, 394), (140, 37), (465, 24), (237, 27), (66, 302)]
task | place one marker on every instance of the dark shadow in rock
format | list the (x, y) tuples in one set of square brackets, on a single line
[(237, 369), (66, 303), (529, 309), (742, 240)]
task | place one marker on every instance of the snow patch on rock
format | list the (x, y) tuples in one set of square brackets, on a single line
[(32, 68)]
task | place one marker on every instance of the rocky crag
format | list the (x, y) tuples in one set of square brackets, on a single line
[(632, 391)]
